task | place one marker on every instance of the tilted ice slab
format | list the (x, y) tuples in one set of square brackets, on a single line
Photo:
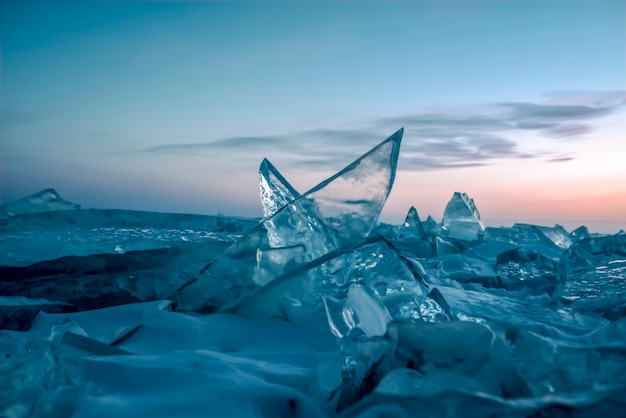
[(341, 210), (461, 219), (276, 192)]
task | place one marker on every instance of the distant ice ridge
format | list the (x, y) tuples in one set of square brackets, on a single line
[(321, 310)]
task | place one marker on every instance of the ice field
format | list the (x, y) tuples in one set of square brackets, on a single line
[(316, 309)]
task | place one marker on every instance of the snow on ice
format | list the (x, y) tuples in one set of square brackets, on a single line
[(316, 310)]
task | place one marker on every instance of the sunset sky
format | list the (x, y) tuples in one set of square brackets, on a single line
[(171, 106)]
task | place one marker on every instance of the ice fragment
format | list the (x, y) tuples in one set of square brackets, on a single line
[(276, 192), (461, 219)]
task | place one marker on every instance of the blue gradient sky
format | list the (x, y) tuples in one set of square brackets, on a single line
[(171, 106)]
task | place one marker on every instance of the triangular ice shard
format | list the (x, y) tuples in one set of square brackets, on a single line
[(412, 227), (276, 192), (351, 200), (339, 211), (461, 219)]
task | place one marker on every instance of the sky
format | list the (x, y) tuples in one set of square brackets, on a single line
[(171, 106)]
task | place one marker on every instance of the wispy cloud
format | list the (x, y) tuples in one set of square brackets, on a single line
[(568, 130), (433, 140), (559, 159), (237, 144), (587, 98)]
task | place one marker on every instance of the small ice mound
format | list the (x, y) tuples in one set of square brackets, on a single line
[(46, 200)]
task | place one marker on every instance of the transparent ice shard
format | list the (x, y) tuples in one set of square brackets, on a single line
[(461, 219), (359, 310), (557, 234), (340, 320), (436, 309), (412, 227), (351, 201), (276, 192), (341, 210), (272, 262)]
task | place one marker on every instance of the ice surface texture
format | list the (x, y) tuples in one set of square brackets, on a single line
[(324, 312)]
